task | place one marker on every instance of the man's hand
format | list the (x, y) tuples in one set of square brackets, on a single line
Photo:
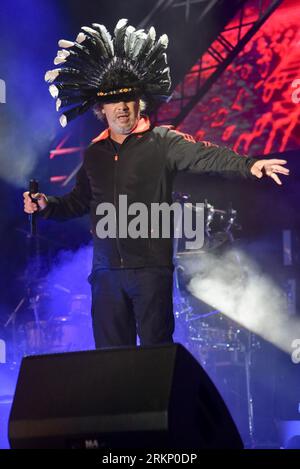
[(32, 207), (270, 168)]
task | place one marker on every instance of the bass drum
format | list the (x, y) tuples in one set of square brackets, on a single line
[(217, 341), (63, 334), (69, 335), (216, 338), (34, 338)]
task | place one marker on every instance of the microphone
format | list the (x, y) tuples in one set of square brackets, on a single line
[(33, 189)]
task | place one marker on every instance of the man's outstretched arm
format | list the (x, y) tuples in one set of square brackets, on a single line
[(200, 157)]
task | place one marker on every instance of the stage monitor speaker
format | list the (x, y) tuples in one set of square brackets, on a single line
[(141, 397)]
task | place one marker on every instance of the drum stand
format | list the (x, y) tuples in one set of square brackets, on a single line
[(34, 303), (248, 364), (12, 320), (33, 252)]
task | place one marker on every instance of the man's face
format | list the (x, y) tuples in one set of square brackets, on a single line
[(122, 117)]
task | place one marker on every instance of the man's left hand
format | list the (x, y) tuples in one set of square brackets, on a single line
[(270, 168)]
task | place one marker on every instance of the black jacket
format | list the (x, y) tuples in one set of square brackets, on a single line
[(144, 170)]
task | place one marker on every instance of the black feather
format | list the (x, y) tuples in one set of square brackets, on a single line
[(76, 111), (118, 41), (106, 39)]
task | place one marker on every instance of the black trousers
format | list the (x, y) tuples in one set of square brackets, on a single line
[(131, 302)]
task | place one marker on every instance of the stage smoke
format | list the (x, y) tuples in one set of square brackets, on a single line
[(234, 285)]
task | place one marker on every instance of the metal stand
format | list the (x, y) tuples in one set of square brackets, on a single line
[(12, 320), (248, 362), (226, 221), (33, 257)]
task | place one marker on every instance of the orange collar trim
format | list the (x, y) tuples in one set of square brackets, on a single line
[(142, 126)]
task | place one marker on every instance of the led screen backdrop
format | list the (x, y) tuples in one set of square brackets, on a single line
[(253, 107)]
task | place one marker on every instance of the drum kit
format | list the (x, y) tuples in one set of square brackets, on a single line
[(39, 330), (214, 339), (54, 336), (205, 326)]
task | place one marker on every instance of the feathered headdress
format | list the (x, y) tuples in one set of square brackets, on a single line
[(96, 68)]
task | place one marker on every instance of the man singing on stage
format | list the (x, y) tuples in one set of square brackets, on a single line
[(132, 277)]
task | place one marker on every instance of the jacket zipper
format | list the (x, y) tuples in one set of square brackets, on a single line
[(116, 159)]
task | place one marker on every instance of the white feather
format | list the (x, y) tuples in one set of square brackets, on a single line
[(53, 90), (63, 120), (63, 54), (58, 104), (87, 29), (81, 38), (121, 23), (130, 29), (59, 60), (65, 44), (164, 40), (152, 33), (51, 75), (141, 34)]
